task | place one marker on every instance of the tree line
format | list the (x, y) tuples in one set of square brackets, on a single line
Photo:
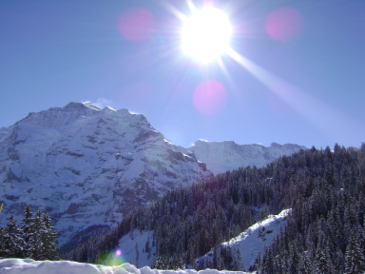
[(325, 231), (35, 238)]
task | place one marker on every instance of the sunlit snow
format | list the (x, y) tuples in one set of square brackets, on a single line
[(15, 266), (252, 241)]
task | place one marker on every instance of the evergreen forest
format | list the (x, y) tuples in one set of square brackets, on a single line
[(325, 232), (35, 238)]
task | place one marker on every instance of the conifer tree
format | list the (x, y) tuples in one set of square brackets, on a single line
[(13, 243), (323, 263), (268, 262), (27, 227), (354, 257), (304, 264), (39, 236), (2, 241), (35, 239), (48, 238)]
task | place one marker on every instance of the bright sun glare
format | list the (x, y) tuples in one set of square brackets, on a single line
[(206, 34)]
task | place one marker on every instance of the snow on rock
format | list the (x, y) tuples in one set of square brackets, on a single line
[(27, 266), (88, 166), (252, 241), (222, 156)]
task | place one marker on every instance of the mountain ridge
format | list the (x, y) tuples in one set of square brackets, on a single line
[(235, 156), (87, 166)]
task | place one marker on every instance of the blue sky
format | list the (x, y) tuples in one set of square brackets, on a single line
[(297, 75)]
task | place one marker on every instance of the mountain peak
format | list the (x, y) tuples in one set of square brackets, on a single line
[(90, 162), (74, 106), (222, 156)]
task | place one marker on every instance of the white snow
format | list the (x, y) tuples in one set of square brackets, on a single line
[(249, 243), (252, 241), (27, 266), (88, 166), (222, 156), (136, 240)]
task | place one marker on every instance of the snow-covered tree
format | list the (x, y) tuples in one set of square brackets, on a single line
[(27, 227), (35, 239), (354, 257), (323, 263), (12, 242), (48, 238)]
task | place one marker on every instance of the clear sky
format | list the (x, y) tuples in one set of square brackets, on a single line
[(295, 72)]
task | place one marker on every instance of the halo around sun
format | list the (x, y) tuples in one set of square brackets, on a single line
[(205, 35)]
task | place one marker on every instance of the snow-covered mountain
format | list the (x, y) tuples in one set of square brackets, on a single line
[(222, 156), (87, 166)]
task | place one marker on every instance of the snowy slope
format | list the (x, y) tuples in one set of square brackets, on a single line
[(251, 242), (27, 266), (248, 244), (88, 166), (222, 156), (135, 243)]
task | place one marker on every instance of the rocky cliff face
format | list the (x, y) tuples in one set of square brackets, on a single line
[(222, 156), (88, 166)]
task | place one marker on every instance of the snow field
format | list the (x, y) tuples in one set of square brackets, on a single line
[(136, 241), (27, 266), (250, 243)]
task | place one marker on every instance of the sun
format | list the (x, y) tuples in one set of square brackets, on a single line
[(205, 35)]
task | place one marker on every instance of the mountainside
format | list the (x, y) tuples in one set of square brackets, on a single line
[(222, 156), (137, 247), (88, 166), (246, 247), (324, 232)]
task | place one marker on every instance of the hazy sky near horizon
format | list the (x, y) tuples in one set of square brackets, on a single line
[(296, 73)]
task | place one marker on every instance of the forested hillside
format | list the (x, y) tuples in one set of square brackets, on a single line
[(324, 234)]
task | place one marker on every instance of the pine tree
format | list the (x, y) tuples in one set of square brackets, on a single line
[(2, 241), (13, 244), (48, 237), (35, 239), (323, 263), (27, 224), (237, 264), (268, 261), (304, 264), (354, 258), (39, 236)]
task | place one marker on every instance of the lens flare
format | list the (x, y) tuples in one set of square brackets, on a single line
[(284, 24), (111, 258), (210, 97), (118, 252)]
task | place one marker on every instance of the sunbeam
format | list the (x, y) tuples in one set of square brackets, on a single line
[(322, 116)]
